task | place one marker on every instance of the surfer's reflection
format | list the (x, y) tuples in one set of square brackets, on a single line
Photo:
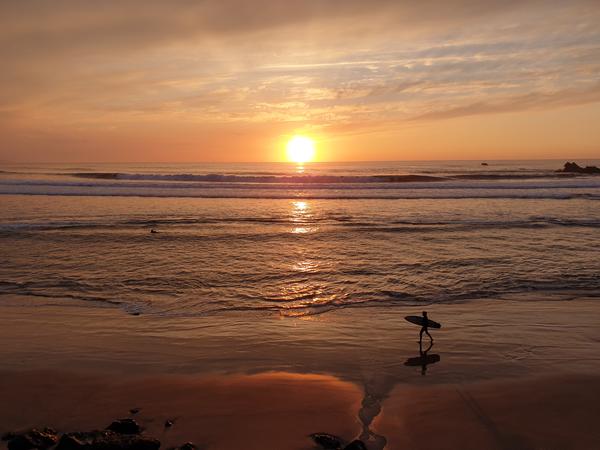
[(424, 359)]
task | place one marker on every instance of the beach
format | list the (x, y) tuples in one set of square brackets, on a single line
[(512, 374)]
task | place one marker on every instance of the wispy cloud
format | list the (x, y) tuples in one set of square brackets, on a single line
[(527, 102), (71, 65)]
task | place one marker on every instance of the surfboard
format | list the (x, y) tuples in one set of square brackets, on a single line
[(422, 360), (418, 320)]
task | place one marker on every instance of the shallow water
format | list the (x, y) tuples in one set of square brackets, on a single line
[(296, 240)]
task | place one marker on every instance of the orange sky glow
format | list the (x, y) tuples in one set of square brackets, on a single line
[(231, 80)]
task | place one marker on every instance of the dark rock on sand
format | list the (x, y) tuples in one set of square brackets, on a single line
[(356, 445), (32, 439), (125, 426), (169, 423), (106, 440), (327, 441), (8, 436), (134, 410), (186, 446), (484, 164), (573, 167)]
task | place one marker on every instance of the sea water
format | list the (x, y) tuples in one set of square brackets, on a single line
[(296, 240)]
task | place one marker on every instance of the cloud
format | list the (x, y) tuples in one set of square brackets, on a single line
[(331, 64), (62, 29), (527, 102)]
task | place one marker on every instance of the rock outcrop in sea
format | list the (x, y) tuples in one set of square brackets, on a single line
[(573, 167)]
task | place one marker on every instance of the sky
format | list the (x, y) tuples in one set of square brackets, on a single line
[(234, 80)]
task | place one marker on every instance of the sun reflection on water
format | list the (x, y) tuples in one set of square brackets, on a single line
[(301, 230), (301, 214), (305, 290), (306, 266), (300, 206)]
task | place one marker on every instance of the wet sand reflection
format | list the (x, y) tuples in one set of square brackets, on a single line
[(222, 412)]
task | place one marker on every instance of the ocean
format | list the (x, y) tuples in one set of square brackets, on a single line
[(277, 238)]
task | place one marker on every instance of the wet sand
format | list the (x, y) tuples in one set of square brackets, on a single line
[(510, 375), (266, 411), (280, 410), (554, 412)]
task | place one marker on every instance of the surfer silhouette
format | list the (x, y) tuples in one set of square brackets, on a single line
[(425, 324), (424, 329)]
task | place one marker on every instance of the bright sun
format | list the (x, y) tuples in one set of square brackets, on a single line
[(300, 149)]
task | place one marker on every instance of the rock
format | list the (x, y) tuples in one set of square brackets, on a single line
[(125, 426), (8, 436), (572, 167), (591, 169), (483, 164), (186, 446), (327, 441), (169, 423), (356, 445), (106, 440), (134, 410), (32, 439)]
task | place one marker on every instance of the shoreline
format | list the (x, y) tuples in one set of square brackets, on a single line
[(506, 373), (479, 340)]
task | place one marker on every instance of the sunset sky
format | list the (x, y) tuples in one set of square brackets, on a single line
[(234, 80)]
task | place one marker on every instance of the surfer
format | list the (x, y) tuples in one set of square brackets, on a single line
[(425, 324), (424, 329)]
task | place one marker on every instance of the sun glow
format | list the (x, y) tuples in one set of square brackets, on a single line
[(300, 149)]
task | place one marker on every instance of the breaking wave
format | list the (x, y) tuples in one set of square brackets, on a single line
[(271, 178)]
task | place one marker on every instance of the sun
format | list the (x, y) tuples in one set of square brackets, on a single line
[(300, 149)]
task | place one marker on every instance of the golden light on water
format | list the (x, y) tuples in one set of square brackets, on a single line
[(300, 149), (300, 207), (301, 215)]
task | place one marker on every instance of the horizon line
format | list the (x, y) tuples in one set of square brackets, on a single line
[(303, 164)]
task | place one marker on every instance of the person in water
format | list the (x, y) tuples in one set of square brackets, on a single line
[(424, 329)]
